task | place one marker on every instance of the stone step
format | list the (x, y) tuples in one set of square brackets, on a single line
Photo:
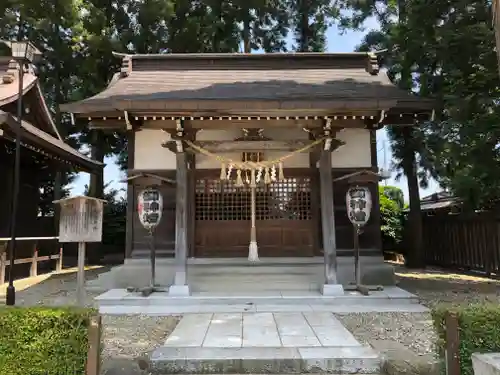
[(123, 298), (193, 309), (283, 360)]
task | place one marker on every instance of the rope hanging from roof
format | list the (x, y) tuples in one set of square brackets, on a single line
[(269, 171)]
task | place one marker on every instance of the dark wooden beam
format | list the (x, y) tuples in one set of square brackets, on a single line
[(251, 146), (360, 177), (115, 123), (405, 118)]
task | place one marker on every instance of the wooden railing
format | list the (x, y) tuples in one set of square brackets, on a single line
[(4, 262)]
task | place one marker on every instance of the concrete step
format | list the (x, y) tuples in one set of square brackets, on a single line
[(279, 270), (293, 360), (194, 309), (121, 297)]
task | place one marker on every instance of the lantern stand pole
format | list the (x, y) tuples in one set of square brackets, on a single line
[(357, 286), (152, 255), (357, 268), (147, 291)]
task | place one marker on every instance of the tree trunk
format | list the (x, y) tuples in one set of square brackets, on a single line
[(246, 32), (96, 186), (304, 26), (415, 256)]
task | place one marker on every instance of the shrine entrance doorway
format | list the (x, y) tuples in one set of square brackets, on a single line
[(284, 217)]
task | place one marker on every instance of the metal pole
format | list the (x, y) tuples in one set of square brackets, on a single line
[(80, 276), (152, 256), (10, 299), (357, 271)]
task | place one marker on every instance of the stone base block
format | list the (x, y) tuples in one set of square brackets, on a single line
[(179, 291), (264, 360), (486, 364), (332, 290)]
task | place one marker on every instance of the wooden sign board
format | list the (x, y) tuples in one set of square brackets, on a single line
[(80, 219)]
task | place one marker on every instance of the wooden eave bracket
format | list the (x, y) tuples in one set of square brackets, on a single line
[(150, 175), (363, 176)]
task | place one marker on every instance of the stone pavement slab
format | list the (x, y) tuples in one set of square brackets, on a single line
[(190, 331), (119, 301), (288, 342)]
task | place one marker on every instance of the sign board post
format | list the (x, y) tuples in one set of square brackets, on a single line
[(149, 209), (359, 204), (80, 221)]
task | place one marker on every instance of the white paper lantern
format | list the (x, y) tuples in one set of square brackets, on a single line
[(359, 205), (150, 207)]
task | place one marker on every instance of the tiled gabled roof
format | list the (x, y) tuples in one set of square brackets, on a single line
[(147, 80)]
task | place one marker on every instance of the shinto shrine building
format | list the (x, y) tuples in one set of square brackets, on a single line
[(43, 153), (249, 152)]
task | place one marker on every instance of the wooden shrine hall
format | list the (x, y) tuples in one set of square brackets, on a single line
[(43, 153), (249, 152)]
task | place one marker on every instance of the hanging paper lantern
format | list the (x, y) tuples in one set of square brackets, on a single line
[(150, 207), (359, 205)]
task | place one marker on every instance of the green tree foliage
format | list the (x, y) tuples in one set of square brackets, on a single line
[(445, 50), (49, 25), (455, 62), (391, 207)]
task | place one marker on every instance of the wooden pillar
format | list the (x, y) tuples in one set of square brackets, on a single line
[(328, 225), (180, 286), (191, 243), (129, 232), (376, 199)]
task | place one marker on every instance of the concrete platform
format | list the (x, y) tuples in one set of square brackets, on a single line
[(313, 342), (222, 274), (119, 301)]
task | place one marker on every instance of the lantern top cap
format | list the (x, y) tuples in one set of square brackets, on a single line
[(360, 176), (78, 198), (23, 50)]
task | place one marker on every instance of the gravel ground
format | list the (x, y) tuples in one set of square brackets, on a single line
[(126, 338), (435, 287), (413, 330), (134, 336), (51, 289)]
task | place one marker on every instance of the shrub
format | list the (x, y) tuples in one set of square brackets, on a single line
[(479, 330), (390, 217), (43, 340)]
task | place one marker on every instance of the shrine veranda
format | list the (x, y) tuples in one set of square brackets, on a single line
[(253, 156)]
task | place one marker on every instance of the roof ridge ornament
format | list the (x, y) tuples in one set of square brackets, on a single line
[(373, 66), (126, 68)]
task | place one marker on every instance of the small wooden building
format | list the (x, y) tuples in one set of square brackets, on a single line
[(42, 149), (187, 116)]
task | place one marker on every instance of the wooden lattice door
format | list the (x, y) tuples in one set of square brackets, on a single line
[(284, 219)]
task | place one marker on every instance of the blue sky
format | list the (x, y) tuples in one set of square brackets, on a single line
[(337, 42)]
